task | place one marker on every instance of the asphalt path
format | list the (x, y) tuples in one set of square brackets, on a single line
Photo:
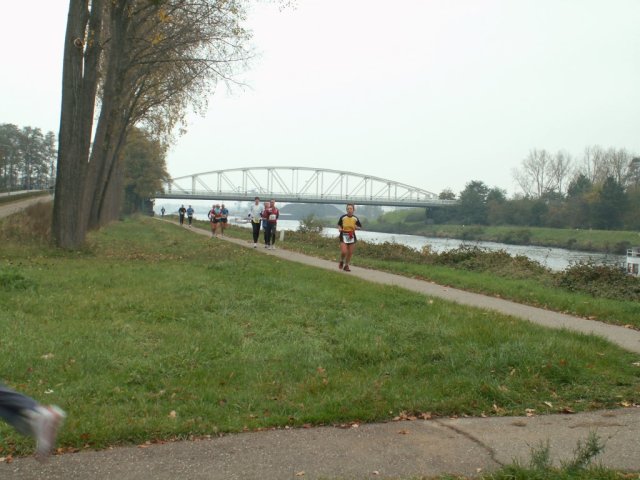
[(397, 449)]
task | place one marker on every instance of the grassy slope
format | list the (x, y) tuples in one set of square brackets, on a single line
[(154, 332)]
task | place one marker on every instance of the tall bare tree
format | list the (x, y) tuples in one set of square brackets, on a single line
[(534, 175)]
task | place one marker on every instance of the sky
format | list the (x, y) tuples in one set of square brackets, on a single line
[(431, 93)]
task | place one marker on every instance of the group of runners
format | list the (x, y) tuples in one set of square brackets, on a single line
[(264, 216), (218, 215)]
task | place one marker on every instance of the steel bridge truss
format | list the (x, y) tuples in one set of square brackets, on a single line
[(298, 185)]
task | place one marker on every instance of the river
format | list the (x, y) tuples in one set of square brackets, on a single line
[(554, 258)]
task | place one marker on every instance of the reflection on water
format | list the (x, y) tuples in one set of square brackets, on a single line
[(553, 258)]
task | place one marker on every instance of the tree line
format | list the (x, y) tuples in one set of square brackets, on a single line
[(27, 158), (601, 190), (28, 162)]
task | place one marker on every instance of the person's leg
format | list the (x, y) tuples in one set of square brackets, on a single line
[(267, 234), (343, 254), (349, 253), (30, 418), (256, 232), (12, 408), (273, 236)]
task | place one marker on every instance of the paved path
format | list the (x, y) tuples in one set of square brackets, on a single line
[(404, 449), (7, 209)]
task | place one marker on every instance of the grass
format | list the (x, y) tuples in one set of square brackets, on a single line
[(514, 278), (152, 332)]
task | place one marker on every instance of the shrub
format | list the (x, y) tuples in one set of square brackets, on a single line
[(599, 280), (310, 223)]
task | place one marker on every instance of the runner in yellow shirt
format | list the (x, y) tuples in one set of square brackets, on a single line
[(347, 225)]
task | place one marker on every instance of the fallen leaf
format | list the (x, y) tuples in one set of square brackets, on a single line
[(403, 432), (626, 404), (47, 356), (548, 404), (173, 414), (375, 472), (567, 410), (300, 474)]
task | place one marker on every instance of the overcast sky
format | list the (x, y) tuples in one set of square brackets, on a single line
[(432, 93)]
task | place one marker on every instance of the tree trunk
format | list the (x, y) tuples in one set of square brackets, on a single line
[(79, 88)]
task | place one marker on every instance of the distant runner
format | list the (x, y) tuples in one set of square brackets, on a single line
[(162, 210), (347, 225), (255, 215), (224, 215), (181, 213), (190, 212), (213, 219), (271, 215)]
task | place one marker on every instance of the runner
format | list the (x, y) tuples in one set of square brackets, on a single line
[(255, 215), (213, 220), (224, 215), (347, 225), (271, 214), (181, 213), (162, 210), (31, 418), (190, 212)]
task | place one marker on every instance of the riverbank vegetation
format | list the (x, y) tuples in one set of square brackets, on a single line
[(412, 221), (151, 332)]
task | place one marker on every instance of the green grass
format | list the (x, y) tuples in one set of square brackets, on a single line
[(518, 281), (152, 332)]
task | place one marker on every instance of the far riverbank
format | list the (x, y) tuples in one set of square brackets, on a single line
[(598, 241)]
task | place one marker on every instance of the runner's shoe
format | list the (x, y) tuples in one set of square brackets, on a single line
[(45, 422), (346, 268), (341, 265)]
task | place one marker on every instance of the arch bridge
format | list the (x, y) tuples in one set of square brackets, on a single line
[(298, 185)]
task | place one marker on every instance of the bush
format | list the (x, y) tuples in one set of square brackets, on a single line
[(310, 224), (472, 233), (516, 237), (599, 280)]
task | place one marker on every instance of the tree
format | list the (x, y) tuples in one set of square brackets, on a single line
[(9, 155), (536, 174), (447, 194), (144, 169), (472, 208), (633, 173), (145, 61), (25, 156), (610, 205)]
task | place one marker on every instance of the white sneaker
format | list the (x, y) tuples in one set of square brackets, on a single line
[(45, 422), (255, 245)]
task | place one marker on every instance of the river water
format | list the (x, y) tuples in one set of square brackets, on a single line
[(554, 258)]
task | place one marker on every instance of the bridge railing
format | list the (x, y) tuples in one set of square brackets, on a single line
[(305, 198)]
